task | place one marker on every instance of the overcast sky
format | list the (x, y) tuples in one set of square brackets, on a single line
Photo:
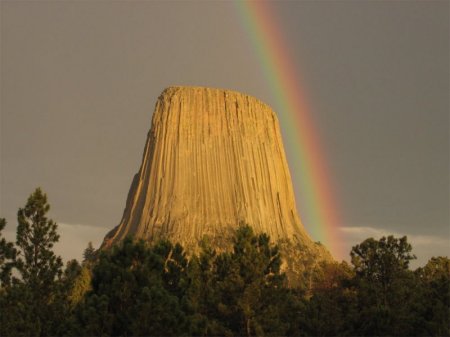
[(79, 81)]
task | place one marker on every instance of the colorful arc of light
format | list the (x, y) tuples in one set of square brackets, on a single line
[(309, 170)]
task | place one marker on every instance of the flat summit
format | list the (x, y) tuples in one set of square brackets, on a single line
[(213, 159)]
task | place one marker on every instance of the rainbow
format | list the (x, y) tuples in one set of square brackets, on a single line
[(308, 167)]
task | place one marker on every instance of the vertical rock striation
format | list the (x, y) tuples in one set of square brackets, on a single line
[(213, 159)]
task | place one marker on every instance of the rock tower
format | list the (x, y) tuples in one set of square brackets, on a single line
[(213, 159)]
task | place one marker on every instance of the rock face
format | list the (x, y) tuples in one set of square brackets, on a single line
[(213, 159)]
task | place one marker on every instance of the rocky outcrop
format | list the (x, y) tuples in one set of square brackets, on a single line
[(213, 159)]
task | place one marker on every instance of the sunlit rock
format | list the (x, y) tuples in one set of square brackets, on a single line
[(215, 159)]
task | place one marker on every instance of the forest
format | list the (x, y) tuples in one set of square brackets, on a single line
[(137, 289)]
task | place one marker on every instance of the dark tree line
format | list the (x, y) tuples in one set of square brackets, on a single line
[(140, 290)]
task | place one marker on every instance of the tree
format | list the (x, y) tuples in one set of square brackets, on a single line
[(7, 257), (245, 288), (433, 301), (78, 282), (200, 295), (7, 260), (39, 269), (131, 292), (89, 253), (331, 309), (385, 286), (36, 235)]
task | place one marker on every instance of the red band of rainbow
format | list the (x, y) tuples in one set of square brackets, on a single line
[(308, 167)]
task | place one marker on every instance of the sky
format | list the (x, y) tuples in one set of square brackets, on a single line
[(79, 81)]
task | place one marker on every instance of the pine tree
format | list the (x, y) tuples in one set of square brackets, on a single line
[(7, 257), (134, 290), (7, 260), (89, 253), (246, 289), (38, 266)]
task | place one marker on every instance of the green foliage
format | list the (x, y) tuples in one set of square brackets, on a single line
[(77, 282), (134, 291), (434, 298), (36, 235), (332, 307), (89, 253), (7, 257), (140, 290), (380, 260), (32, 305), (385, 286), (238, 293)]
